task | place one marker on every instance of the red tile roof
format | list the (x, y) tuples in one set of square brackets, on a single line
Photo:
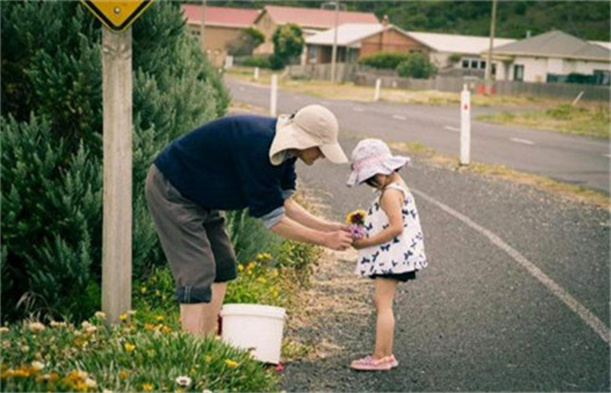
[(316, 18), (220, 16)]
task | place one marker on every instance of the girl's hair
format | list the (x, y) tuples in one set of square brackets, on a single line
[(371, 182)]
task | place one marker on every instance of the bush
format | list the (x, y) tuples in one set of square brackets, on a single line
[(384, 60), (52, 146), (261, 61), (417, 66), (249, 39)]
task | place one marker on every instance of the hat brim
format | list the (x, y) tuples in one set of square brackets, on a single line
[(290, 136), (386, 167), (334, 153)]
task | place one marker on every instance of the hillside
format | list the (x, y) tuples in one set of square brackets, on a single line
[(585, 19)]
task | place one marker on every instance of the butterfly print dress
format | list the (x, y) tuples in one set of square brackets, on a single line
[(404, 253)]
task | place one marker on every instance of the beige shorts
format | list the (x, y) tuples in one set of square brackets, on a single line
[(194, 240)]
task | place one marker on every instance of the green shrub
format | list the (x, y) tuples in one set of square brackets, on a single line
[(261, 61), (52, 146), (288, 45), (417, 66), (383, 60), (139, 354)]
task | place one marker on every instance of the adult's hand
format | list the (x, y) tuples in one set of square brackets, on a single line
[(338, 226), (338, 240)]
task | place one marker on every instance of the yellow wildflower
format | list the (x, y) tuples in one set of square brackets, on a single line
[(129, 347), (251, 265), (240, 267), (123, 317), (262, 280), (231, 363), (207, 358), (123, 374), (157, 292), (274, 273), (147, 387), (154, 279), (100, 315), (149, 326), (159, 318), (166, 329), (143, 290)]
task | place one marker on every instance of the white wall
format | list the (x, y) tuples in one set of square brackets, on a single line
[(536, 69)]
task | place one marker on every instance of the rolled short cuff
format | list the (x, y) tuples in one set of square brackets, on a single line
[(273, 217), (227, 274), (191, 295)]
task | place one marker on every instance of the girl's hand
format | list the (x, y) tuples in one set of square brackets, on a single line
[(359, 243)]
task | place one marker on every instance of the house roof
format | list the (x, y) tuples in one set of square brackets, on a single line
[(455, 43), (604, 44), (349, 34), (316, 18), (555, 43), (220, 16)]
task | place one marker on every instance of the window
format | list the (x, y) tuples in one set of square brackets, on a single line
[(602, 77), (518, 72), (473, 64), (465, 63), (482, 65)]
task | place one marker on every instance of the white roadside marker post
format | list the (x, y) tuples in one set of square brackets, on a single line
[(274, 95), (465, 126), (376, 96), (256, 73)]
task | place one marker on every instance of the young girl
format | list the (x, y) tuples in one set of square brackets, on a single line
[(392, 248)]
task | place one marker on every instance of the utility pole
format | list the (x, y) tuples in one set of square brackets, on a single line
[(489, 61), (202, 27), (334, 51)]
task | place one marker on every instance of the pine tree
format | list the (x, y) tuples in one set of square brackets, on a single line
[(51, 129)]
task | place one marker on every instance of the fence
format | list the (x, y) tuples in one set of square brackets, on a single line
[(448, 83)]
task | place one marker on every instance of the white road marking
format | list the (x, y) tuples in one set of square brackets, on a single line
[(586, 315), (450, 128), (524, 141), (399, 117), (357, 109), (607, 155)]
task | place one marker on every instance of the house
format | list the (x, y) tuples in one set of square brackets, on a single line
[(310, 20), (455, 50), (552, 57), (222, 25), (355, 40)]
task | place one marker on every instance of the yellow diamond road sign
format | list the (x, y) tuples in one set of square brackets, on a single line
[(117, 15)]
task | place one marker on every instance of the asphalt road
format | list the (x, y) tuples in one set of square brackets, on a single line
[(516, 296), (573, 159)]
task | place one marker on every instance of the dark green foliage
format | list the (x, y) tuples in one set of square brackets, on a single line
[(52, 144), (417, 66), (261, 61), (247, 41), (384, 60), (288, 45)]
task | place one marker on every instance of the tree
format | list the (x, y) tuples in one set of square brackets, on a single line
[(288, 45), (51, 126), (248, 40), (417, 66)]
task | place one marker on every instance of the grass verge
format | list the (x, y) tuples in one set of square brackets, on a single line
[(578, 193), (590, 121)]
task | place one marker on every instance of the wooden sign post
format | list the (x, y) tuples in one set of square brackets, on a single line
[(117, 113)]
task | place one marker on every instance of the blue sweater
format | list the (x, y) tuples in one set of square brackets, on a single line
[(225, 165)]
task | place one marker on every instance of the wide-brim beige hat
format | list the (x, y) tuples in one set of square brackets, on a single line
[(311, 126)]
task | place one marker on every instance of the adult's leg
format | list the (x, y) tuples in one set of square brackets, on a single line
[(385, 322)]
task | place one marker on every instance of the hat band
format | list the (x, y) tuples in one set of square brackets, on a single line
[(358, 165)]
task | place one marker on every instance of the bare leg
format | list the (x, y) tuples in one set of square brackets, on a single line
[(385, 323), (201, 319)]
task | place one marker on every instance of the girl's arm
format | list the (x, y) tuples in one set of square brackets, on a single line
[(296, 212), (391, 202)]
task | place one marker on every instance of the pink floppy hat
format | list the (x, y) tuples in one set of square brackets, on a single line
[(371, 157)]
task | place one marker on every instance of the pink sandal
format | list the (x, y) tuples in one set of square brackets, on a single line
[(368, 363)]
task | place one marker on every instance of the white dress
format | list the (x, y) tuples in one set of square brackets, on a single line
[(403, 254)]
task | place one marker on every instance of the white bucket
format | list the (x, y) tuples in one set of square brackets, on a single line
[(255, 327)]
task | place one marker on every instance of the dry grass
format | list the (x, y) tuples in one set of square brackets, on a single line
[(570, 191)]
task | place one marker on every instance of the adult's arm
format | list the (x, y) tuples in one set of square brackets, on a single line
[(297, 213), (293, 230)]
